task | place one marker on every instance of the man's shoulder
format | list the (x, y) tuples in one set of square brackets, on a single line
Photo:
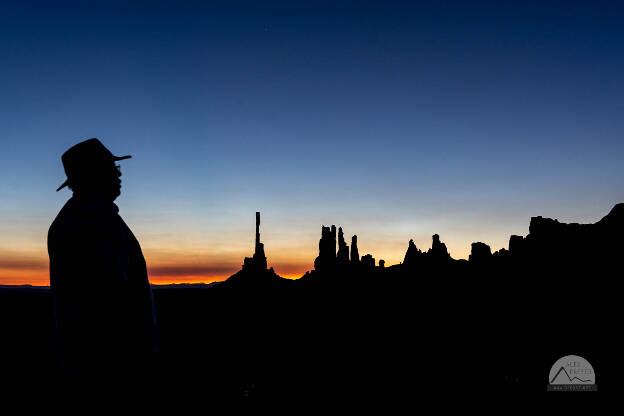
[(72, 218), (64, 220)]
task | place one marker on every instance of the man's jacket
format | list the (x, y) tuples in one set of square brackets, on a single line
[(103, 302)]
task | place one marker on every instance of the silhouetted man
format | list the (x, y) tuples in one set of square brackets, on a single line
[(103, 302)]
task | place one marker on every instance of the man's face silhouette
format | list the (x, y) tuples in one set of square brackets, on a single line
[(116, 181), (112, 184), (103, 181)]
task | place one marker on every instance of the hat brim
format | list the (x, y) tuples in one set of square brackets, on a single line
[(62, 186), (115, 158)]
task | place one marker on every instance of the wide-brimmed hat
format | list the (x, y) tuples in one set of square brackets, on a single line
[(86, 156)]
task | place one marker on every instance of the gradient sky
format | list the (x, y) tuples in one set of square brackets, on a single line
[(393, 121)]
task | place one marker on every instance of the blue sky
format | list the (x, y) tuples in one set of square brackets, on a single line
[(396, 121)]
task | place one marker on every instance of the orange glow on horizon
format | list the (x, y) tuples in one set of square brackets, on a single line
[(42, 277), (205, 264), (24, 277), (168, 280)]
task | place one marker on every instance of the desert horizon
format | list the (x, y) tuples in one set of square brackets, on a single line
[(159, 274), (190, 272)]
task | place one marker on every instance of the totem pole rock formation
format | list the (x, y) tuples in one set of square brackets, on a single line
[(258, 261)]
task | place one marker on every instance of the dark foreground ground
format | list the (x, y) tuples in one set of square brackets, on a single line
[(305, 343)]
